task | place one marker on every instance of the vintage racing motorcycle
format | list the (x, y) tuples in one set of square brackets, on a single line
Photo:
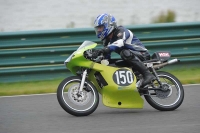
[(118, 84)]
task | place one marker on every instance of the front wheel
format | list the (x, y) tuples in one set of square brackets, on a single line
[(74, 102), (170, 97)]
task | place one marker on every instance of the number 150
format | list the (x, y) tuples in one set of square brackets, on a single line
[(124, 77)]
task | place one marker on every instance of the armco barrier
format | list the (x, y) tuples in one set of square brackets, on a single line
[(39, 55)]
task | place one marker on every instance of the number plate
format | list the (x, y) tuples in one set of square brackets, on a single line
[(123, 77)]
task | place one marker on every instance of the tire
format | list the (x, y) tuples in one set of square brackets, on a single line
[(168, 94), (74, 104)]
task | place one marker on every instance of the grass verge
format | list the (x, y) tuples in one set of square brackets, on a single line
[(33, 87), (189, 76)]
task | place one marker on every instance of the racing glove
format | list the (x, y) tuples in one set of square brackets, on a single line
[(96, 53)]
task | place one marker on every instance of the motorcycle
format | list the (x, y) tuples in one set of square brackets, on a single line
[(118, 84)]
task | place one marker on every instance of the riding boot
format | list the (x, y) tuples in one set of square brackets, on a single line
[(147, 75), (132, 58)]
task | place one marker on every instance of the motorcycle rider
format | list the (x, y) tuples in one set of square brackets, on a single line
[(124, 42)]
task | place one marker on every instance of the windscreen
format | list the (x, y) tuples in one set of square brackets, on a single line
[(85, 43)]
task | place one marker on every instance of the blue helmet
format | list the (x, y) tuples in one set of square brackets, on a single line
[(108, 24)]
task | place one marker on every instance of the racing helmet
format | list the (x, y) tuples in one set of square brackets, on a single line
[(104, 24)]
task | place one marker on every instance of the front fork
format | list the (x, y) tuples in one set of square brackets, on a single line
[(83, 80)]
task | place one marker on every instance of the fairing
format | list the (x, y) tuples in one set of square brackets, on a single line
[(113, 94)]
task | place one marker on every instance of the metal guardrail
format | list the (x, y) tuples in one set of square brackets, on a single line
[(39, 55)]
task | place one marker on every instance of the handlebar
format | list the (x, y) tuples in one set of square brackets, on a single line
[(89, 54), (99, 58)]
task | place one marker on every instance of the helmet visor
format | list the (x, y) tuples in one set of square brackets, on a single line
[(99, 30)]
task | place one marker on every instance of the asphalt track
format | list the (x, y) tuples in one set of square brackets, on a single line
[(43, 114)]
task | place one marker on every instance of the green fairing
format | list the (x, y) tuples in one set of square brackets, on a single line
[(113, 95), (79, 60)]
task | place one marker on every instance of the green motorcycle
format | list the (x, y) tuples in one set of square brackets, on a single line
[(118, 84)]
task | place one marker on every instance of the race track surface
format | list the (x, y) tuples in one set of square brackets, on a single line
[(43, 114)]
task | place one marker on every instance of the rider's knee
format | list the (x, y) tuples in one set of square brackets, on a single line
[(127, 55)]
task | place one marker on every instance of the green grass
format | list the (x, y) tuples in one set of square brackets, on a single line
[(189, 76), (34, 87)]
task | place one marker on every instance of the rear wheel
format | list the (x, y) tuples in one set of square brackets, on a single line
[(170, 97), (74, 102)]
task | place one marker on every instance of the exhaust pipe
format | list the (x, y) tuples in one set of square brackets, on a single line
[(166, 63), (173, 61)]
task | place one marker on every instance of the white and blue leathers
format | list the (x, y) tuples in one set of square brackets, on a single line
[(124, 39)]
